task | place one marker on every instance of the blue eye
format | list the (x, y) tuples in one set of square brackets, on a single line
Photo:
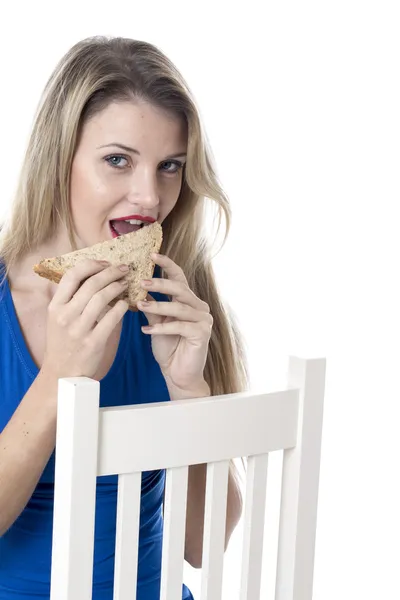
[(115, 161), (176, 164)]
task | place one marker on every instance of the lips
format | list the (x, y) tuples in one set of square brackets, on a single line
[(136, 218), (129, 224)]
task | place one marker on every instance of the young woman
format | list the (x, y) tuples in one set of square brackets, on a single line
[(117, 138)]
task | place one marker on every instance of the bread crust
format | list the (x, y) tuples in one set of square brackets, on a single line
[(133, 249)]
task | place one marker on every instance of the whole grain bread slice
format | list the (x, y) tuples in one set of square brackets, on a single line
[(133, 249)]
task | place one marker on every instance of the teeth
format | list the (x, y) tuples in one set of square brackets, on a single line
[(134, 222)]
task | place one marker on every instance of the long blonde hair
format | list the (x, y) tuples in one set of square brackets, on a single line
[(94, 73)]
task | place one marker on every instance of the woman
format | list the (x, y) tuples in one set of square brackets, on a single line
[(116, 136)]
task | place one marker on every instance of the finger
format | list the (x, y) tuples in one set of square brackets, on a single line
[(177, 289), (98, 303), (73, 279), (172, 270), (93, 286), (194, 332), (152, 319), (108, 323), (103, 313), (178, 310)]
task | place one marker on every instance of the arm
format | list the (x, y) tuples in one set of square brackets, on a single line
[(196, 498), (26, 444), (77, 335), (181, 331), (195, 513)]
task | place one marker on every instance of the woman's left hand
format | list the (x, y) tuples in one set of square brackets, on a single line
[(180, 330)]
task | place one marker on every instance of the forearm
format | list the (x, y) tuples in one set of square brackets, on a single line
[(195, 512), (26, 445), (196, 494)]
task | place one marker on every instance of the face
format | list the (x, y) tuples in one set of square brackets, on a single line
[(128, 166)]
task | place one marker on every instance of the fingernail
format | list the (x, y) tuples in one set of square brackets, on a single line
[(147, 282), (147, 328), (104, 263), (124, 268), (124, 283), (143, 303)]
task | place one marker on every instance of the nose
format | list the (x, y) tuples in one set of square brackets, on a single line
[(144, 191)]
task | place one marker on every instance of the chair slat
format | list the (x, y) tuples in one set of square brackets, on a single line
[(173, 551), (75, 489), (127, 537), (253, 527), (214, 530)]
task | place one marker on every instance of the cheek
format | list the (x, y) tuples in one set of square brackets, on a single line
[(170, 196), (88, 190)]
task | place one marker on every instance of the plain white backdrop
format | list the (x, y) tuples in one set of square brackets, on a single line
[(301, 101)]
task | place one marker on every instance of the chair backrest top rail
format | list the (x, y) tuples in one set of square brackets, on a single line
[(130, 437)]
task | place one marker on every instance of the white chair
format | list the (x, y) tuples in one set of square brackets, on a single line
[(131, 439)]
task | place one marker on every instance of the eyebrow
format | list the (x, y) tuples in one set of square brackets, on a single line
[(134, 151)]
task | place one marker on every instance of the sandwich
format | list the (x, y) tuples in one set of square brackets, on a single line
[(133, 249)]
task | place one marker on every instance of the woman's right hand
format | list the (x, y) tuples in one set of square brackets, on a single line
[(78, 322)]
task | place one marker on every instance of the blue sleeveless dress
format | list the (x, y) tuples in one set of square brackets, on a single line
[(25, 549)]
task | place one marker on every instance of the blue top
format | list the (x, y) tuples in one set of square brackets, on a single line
[(25, 549)]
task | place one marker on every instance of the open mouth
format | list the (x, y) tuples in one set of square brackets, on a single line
[(119, 227)]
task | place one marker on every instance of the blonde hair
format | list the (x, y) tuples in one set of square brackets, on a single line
[(94, 73)]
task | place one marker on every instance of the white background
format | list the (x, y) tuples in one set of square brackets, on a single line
[(301, 102)]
